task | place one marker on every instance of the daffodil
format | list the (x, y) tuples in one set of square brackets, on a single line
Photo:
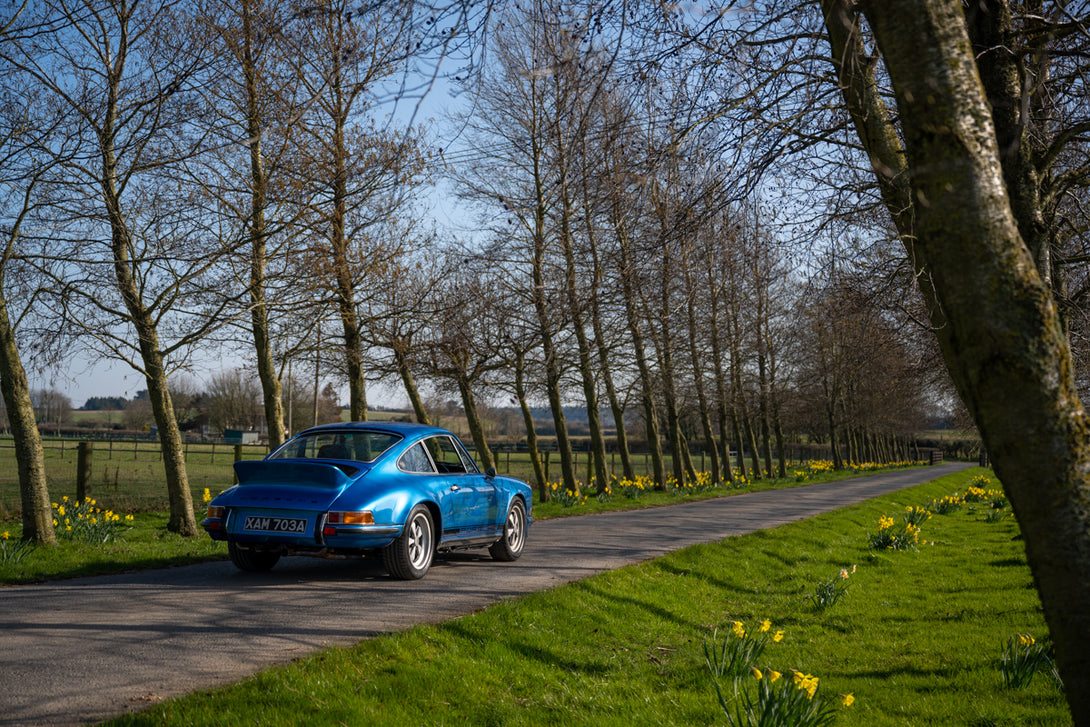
[(765, 625), (773, 676), (848, 700), (739, 629), (778, 637), (756, 672)]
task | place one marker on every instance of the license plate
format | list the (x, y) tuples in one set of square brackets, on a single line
[(275, 524)]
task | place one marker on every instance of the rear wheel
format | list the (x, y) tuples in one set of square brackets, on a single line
[(251, 559), (409, 557), (509, 547)]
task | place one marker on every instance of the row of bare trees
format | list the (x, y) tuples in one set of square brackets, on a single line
[(174, 171), (199, 175)]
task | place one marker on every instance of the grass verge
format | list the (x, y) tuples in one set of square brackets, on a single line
[(916, 639)]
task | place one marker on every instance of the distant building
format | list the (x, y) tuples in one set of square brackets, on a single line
[(237, 436)]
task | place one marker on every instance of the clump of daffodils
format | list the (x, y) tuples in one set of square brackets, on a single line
[(779, 702), (1023, 657), (890, 537), (13, 550), (83, 521), (740, 648), (829, 592)]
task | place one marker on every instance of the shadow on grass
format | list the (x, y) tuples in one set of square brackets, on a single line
[(546, 657)]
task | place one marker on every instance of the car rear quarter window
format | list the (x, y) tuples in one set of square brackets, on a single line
[(416, 460)]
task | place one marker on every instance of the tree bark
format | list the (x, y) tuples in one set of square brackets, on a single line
[(401, 360), (272, 392), (33, 489), (476, 426), (1001, 337), (531, 431)]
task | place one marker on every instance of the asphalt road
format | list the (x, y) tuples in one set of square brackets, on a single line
[(86, 649)]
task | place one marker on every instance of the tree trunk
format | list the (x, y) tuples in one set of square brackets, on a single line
[(725, 410), (476, 426), (604, 357), (29, 459), (698, 382), (647, 396), (182, 520), (531, 431), (342, 267), (271, 390), (401, 359), (575, 313), (1001, 337)]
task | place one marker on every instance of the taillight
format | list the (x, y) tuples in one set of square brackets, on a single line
[(350, 518), (333, 519)]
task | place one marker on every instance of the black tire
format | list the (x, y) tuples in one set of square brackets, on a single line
[(410, 556), (509, 546), (252, 559)]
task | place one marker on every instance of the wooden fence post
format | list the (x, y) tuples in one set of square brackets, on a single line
[(84, 468)]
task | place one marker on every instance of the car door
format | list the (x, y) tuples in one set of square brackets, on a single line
[(472, 496)]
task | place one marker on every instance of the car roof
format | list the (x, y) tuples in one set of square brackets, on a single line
[(405, 429)]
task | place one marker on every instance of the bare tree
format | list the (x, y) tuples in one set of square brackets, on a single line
[(122, 75), (233, 401), (254, 115), (516, 165), (460, 346), (17, 194), (353, 172), (954, 161)]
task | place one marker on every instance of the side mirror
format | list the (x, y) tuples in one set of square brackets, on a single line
[(490, 472)]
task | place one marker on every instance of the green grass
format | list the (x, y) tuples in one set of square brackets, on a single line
[(146, 545), (916, 640), (127, 476)]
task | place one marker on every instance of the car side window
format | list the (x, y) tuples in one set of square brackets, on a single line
[(445, 454), (467, 461), (416, 460)]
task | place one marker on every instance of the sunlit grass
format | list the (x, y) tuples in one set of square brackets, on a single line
[(916, 641)]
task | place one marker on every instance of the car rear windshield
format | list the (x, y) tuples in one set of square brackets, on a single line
[(337, 445)]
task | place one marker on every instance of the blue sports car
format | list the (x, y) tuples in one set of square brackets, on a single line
[(403, 490)]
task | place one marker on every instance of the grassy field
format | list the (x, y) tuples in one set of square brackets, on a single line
[(915, 640), (127, 476)]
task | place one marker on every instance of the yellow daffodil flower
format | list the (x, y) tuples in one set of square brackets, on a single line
[(848, 700)]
